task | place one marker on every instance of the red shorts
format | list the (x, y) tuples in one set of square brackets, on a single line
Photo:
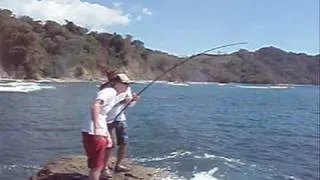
[(95, 149)]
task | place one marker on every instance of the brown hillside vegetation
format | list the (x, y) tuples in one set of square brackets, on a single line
[(33, 50)]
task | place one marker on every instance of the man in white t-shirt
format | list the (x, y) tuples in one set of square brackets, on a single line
[(118, 127), (95, 134)]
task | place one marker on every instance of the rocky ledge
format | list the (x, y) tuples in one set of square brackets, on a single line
[(75, 168)]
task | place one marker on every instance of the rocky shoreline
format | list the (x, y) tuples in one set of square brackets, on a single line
[(74, 167)]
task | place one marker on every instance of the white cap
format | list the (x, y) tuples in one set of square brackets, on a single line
[(124, 78)]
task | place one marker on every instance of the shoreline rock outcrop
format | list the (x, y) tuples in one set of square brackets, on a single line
[(75, 168)]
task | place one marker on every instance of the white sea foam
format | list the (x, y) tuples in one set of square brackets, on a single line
[(291, 178), (11, 167), (23, 87), (152, 159), (173, 177), (179, 154), (200, 83), (197, 175), (171, 155), (212, 156), (203, 175), (178, 84), (209, 175), (18, 83), (263, 87), (142, 81)]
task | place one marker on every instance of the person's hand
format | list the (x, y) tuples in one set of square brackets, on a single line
[(109, 142), (135, 97), (126, 100)]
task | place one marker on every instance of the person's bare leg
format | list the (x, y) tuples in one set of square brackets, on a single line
[(109, 150), (94, 174), (105, 171), (121, 154), (108, 154), (107, 157)]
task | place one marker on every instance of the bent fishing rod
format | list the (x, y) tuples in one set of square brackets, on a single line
[(175, 66)]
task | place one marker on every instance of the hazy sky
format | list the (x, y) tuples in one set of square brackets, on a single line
[(185, 27)]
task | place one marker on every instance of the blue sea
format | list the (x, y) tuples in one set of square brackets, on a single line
[(200, 131)]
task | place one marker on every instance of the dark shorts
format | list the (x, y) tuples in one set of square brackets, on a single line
[(119, 130)]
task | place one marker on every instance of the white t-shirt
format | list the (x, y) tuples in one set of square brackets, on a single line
[(118, 107), (109, 98)]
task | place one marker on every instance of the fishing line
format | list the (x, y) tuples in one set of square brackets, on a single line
[(177, 65)]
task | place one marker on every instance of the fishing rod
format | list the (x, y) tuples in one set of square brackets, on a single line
[(175, 66)]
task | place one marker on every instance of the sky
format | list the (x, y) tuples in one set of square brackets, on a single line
[(185, 27)]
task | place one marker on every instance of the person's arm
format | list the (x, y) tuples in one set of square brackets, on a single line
[(128, 98), (95, 111), (103, 98), (132, 97)]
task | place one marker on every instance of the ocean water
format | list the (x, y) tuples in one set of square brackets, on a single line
[(196, 132)]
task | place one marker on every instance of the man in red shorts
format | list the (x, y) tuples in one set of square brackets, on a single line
[(95, 134)]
